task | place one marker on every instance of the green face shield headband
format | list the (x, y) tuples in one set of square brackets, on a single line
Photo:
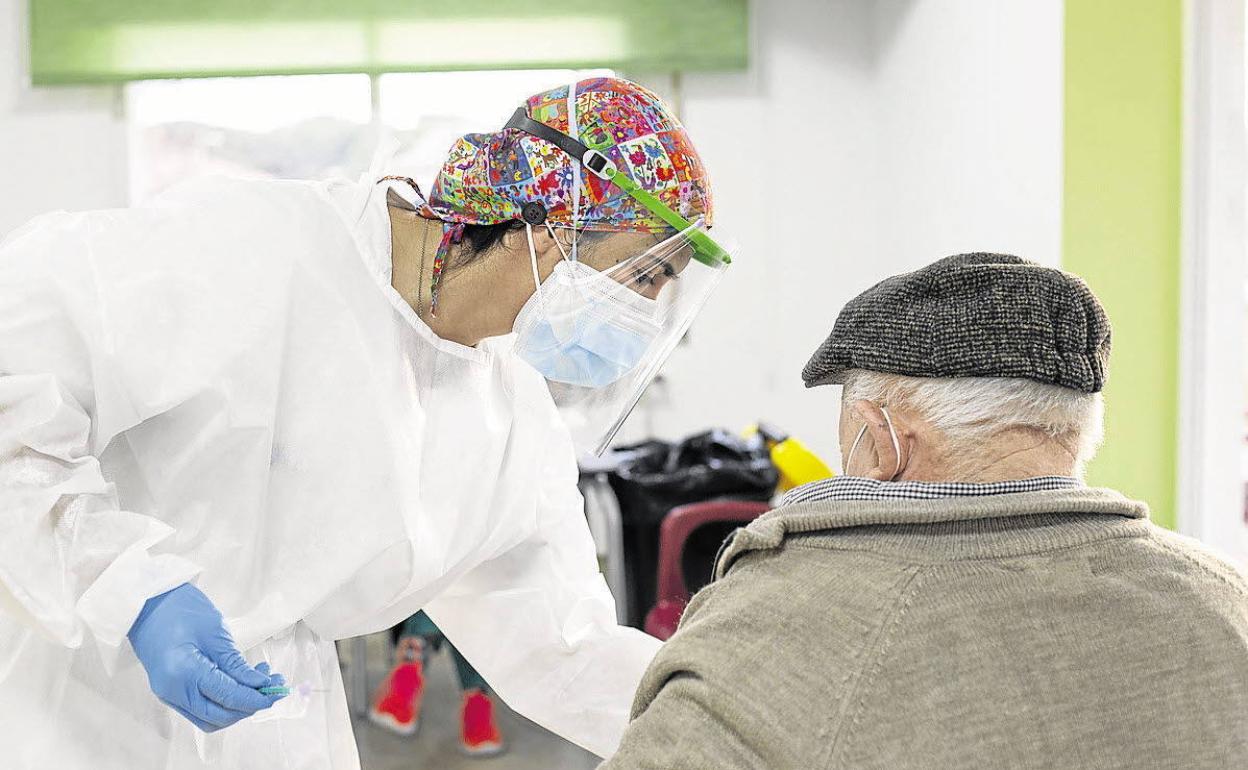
[(705, 249)]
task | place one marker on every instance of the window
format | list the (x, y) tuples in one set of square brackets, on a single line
[(428, 111), (315, 126)]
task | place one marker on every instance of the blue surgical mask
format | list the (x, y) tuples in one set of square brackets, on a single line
[(573, 333)]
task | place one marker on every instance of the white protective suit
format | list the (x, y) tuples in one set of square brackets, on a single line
[(222, 387)]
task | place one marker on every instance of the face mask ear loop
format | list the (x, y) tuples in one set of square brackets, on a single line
[(575, 131), (537, 277), (892, 433), (896, 444), (551, 230), (854, 446)]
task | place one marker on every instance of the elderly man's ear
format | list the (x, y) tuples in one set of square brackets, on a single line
[(891, 458)]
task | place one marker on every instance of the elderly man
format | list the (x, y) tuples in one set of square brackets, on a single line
[(958, 599)]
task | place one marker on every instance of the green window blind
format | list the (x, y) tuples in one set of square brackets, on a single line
[(93, 41)]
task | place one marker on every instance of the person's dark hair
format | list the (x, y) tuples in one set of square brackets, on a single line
[(479, 240)]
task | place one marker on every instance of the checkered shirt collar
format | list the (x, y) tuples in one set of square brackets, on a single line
[(859, 488)]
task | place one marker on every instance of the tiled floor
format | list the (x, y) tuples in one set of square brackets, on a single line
[(436, 745)]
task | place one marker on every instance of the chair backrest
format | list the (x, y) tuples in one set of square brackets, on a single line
[(673, 593)]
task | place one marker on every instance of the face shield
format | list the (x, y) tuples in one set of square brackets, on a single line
[(600, 337)]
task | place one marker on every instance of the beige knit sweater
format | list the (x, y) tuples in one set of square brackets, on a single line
[(1056, 629)]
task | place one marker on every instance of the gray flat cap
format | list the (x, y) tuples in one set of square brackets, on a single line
[(972, 315)]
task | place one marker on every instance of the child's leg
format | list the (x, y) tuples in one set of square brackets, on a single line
[(396, 704), (478, 730), (469, 679), (419, 625)]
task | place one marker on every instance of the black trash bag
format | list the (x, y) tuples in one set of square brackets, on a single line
[(654, 477)]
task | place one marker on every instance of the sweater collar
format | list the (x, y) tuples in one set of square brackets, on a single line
[(963, 527)]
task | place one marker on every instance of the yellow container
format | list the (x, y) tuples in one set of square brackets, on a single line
[(797, 464)]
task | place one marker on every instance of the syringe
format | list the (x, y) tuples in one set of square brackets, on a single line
[(302, 689)]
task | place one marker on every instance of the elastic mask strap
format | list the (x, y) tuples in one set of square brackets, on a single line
[(892, 433), (574, 129), (559, 245), (854, 446), (537, 277), (896, 444)]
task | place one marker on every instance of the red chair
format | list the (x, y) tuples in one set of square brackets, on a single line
[(672, 594)]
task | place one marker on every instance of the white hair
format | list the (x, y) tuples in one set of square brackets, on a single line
[(971, 409)]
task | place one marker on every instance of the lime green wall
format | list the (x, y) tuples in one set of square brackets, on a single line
[(1121, 224)]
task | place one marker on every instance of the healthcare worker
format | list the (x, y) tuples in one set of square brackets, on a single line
[(255, 417)]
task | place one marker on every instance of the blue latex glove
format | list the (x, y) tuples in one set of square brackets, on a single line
[(192, 664)]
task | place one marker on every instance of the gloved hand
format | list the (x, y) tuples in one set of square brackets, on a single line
[(192, 664)]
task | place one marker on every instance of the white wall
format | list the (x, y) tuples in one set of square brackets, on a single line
[(789, 146), (969, 97), (60, 148), (868, 138)]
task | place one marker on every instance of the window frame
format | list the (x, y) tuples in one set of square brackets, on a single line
[(1214, 302)]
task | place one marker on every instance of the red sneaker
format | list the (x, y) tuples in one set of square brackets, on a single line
[(478, 734), (396, 706)]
